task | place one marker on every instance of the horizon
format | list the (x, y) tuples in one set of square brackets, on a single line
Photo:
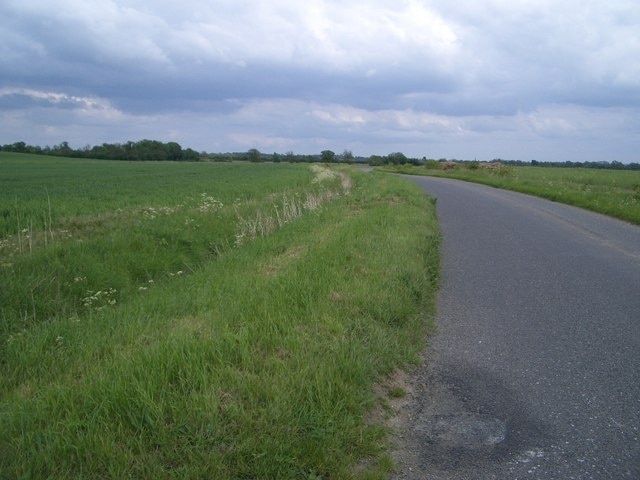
[(485, 79)]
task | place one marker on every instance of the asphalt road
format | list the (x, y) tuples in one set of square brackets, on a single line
[(535, 370)]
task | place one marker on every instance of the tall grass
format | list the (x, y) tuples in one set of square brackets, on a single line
[(256, 362), (611, 192), (85, 248)]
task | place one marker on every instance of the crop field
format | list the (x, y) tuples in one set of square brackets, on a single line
[(611, 192), (198, 320)]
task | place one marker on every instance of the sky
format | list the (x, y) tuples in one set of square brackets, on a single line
[(465, 79)]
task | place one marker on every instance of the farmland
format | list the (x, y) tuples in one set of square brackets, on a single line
[(190, 320)]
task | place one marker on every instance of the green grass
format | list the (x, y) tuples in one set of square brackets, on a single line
[(111, 231), (258, 361), (34, 188), (611, 192)]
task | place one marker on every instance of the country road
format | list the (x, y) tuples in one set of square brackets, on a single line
[(535, 370)]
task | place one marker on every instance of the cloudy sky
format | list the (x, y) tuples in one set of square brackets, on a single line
[(514, 79)]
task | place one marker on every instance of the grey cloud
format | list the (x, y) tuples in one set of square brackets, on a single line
[(479, 67), (16, 101)]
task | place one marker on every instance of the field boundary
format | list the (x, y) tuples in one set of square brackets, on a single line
[(599, 191)]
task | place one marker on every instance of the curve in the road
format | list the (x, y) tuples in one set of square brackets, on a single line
[(535, 370)]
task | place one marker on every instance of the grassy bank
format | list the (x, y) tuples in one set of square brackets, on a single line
[(612, 192), (239, 340)]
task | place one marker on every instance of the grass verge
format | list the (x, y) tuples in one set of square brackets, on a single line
[(612, 192), (258, 363)]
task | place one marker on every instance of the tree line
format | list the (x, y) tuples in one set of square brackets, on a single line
[(613, 165), (142, 150), (400, 159), (156, 151)]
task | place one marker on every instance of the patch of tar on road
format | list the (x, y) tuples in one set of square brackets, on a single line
[(459, 422), (464, 431)]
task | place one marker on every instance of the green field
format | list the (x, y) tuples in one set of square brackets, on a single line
[(174, 320), (612, 192)]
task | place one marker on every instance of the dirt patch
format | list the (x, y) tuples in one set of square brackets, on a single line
[(391, 398), (392, 200), (393, 395), (280, 262), (345, 182)]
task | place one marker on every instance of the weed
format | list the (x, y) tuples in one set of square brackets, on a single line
[(280, 213), (100, 299), (397, 392)]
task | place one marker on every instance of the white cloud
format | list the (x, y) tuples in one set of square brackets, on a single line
[(57, 98)]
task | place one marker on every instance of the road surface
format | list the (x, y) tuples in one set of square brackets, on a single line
[(535, 370)]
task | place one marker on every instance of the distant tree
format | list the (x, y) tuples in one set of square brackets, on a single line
[(347, 156), (254, 155), (397, 158), (64, 150), (174, 151), (327, 156), (128, 150), (276, 158), (149, 150), (376, 160), (617, 165), (20, 147), (190, 155)]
